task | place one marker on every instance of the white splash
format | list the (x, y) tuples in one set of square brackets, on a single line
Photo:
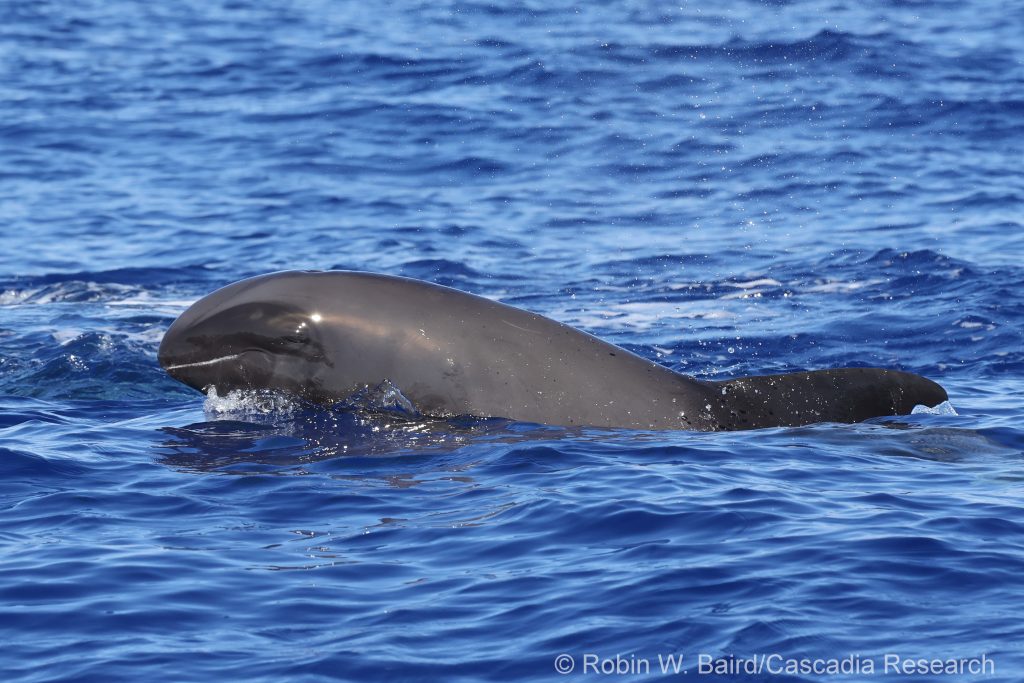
[(383, 397), (760, 282), (841, 287), (944, 408), (249, 402)]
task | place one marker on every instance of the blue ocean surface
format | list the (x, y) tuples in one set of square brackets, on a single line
[(725, 188)]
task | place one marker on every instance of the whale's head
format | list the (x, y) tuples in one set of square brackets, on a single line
[(259, 333)]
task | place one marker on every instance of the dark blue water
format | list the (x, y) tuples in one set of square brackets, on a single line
[(727, 188)]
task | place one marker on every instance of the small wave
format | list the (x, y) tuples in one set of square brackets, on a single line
[(672, 83), (471, 165), (442, 271), (85, 365), (982, 119), (118, 285), (66, 292), (824, 46)]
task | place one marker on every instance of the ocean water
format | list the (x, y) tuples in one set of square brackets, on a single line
[(726, 188)]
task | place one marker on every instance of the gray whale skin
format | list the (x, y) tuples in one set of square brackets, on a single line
[(326, 335)]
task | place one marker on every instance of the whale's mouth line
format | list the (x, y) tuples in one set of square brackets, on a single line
[(201, 363)]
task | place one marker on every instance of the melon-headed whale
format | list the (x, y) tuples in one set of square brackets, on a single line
[(327, 335)]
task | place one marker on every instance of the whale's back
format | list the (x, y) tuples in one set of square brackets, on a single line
[(799, 398)]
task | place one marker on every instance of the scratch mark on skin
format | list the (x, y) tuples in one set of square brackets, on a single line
[(524, 329)]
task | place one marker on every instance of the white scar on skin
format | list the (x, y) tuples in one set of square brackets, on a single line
[(202, 362)]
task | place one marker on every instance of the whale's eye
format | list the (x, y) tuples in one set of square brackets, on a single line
[(300, 335)]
